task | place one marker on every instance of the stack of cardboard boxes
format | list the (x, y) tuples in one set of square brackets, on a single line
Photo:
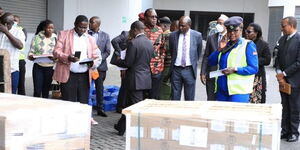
[(28, 123), (202, 125)]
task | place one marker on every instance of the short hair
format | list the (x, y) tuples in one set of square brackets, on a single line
[(187, 19), (257, 29), (291, 21), (4, 18), (80, 18), (96, 17), (148, 10), (43, 24), (137, 25)]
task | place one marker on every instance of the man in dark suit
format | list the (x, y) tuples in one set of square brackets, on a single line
[(120, 44), (137, 59), (185, 46), (103, 42), (212, 43), (288, 69)]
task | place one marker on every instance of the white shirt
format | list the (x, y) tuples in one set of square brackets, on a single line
[(291, 35), (13, 51), (80, 44), (179, 49)]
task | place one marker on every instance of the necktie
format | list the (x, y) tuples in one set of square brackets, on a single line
[(183, 61)]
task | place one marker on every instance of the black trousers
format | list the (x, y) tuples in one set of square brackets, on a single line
[(77, 88), (22, 71), (290, 112), (42, 79), (99, 89), (133, 98), (210, 88), (156, 84), (122, 94)]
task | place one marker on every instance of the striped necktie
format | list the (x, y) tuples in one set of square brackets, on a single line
[(183, 61)]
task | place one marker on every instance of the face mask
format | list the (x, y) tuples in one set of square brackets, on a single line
[(219, 28), (15, 24)]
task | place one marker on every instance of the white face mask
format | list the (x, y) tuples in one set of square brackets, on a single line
[(219, 28), (15, 24)]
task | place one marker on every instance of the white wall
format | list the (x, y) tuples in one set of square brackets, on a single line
[(259, 7), (289, 6), (116, 15)]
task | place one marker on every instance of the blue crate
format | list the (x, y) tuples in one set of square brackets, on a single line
[(109, 103)]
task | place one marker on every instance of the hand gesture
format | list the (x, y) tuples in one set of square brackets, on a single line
[(3, 28), (228, 71), (72, 58), (203, 79), (30, 57)]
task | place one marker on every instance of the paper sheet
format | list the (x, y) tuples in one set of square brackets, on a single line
[(216, 73)]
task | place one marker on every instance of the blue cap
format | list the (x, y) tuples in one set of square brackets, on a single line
[(233, 22)]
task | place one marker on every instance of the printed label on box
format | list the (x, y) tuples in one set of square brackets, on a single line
[(254, 139), (157, 133), (175, 134), (217, 147), (193, 136), (241, 127), (240, 148), (134, 132), (218, 125)]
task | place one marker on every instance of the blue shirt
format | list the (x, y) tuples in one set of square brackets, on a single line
[(250, 69)]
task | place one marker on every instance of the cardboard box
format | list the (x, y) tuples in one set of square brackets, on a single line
[(30, 123), (177, 125)]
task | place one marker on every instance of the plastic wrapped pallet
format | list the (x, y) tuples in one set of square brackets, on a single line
[(202, 125), (28, 123)]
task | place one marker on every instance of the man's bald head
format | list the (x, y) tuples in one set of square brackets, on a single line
[(94, 23), (185, 24)]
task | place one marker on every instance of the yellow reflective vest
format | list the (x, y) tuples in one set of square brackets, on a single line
[(21, 51), (238, 84)]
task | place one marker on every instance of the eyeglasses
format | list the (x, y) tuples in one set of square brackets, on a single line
[(248, 31)]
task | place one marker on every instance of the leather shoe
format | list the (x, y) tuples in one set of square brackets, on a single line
[(292, 138), (101, 113), (284, 136), (120, 133)]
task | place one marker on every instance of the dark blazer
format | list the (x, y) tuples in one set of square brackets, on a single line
[(211, 46), (288, 59), (195, 48), (119, 43), (103, 43), (264, 56), (137, 60)]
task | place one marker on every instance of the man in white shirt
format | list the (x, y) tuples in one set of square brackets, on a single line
[(74, 75), (11, 39), (185, 46)]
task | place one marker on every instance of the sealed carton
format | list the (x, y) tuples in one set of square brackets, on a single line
[(28, 123), (202, 125)]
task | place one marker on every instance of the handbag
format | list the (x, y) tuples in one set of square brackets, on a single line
[(56, 93)]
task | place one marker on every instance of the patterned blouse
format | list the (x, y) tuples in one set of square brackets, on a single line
[(41, 45), (157, 60)]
